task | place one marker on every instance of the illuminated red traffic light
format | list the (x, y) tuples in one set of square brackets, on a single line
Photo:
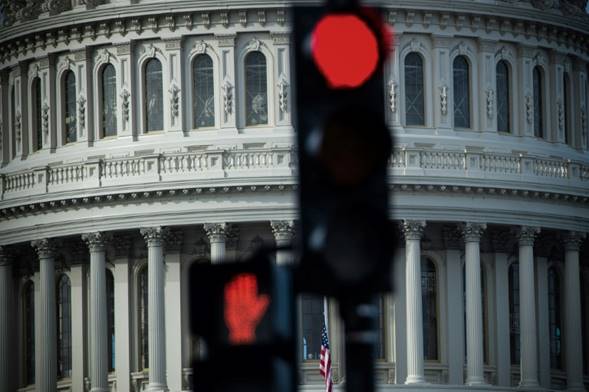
[(244, 308), (345, 49)]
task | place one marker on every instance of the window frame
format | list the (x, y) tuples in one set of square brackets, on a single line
[(436, 310), (192, 80), (424, 89), (36, 113), (144, 91), (61, 329), (142, 340), (63, 94), (469, 98), (539, 70), (101, 99), (245, 90), (28, 326), (509, 103), (556, 359), (567, 103), (514, 315)]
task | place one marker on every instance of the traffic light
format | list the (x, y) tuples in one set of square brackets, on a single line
[(244, 312), (343, 147)]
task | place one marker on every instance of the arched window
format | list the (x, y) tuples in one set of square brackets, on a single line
[(514, 313), (142, 315), (503, 112), (110, 313), (154, 104), (461, 93), (203, 100), (69, 105), (312, 324), (109, 101), (28, 306), (256, 89), (414, 94), (37, 115), (538, 102), (429, 291), (64, 327), (554, 317), (567, 117), (13, 119)]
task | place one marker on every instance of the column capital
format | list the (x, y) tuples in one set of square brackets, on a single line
[(216, 232), (526, 235), (154, 236), (472, 232), (174, 239), (122, 245), (283, 230), (573, 240), (412, 229), (452, 237), (96, 241), (44, 248)]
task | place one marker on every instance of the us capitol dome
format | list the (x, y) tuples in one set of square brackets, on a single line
[(140, 136)]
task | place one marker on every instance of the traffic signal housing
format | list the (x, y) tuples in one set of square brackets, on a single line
[(244, 312), (344, 147)]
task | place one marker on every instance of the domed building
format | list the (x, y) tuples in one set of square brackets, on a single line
[(140, 136)]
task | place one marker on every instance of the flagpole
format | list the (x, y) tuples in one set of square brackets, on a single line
[(325, 313)]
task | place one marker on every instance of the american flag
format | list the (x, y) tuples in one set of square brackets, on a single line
[(325, 359)]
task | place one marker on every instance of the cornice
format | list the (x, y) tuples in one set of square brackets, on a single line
[(154, 20)]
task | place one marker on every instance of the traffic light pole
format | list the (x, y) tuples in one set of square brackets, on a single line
[(360, 317)]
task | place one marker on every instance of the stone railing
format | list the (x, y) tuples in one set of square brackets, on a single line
[(198, 167)]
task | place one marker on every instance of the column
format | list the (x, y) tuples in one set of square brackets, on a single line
[(5, 320), (283, 234), (413, 231), (543, 322), (98, 318), (122, 279), (79, 287), (501, 241), (399, 314), (217, 233), (154, 237), (46, 361), (452, 244), (572, 323), (174, 316), (527, 298), (474, 304)]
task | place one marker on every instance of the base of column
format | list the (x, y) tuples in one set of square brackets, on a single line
[(530, 384), (156, 387), (476, 382), (415, 379)]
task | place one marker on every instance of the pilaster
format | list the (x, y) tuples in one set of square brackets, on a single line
[(79, 297), (283, 234), (4, 119), (392, 89), (487, 86), (543, 321), (579, 118), (173, 310), (21, 121), (525, 86), (127, 110), (556, 69), (227, 82), (122, 278), (174, 93), (283, 96), (443, 104), (46, 359)]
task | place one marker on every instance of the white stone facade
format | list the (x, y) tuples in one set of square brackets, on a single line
[(471, 201)]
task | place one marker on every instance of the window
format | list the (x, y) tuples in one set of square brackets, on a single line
[(503, 113), (256, 94), (154, 105), (414, 98), (554, 318), (37, 115), (29, 332), (109, 101), (143, 323), (380, 349), (514, 313), (429, 289), (567, 118), (64, 328), (110, 313), (538, 102), (69, 112), (203, 100), (312, 319), (13, 119), (461, 93)]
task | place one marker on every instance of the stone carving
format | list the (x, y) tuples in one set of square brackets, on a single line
[(262, 17), (150, 50), (444, 100), (490, 102), (82, 110), (174, 240), (200, 248), (125, 96), (283, 230), (529, 108), (174, 99), (18, 126), (472, 232), (154, 236), (227, 97), (544, 4), (254, 44), (452, 237), (573, 240), (526, 235), (200, 47), (243, 18), (216, 231), (34, 72), (560, 112), (206, 20), (282, 93), (573, 7), (412, 230), (44, 248), (393, 96), (96, 241), (45, 119), (104, 56)]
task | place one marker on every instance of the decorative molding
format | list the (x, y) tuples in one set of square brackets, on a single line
[(174, 99), (572, 240), (200, 47), (216, 232), (82, 110), (529, 102), (283, 230), (393, 96), (174, 240), (490, 93), (282, 93), (472, 232), (452, 237), (104, 56), (444, 100), (413, 230), (126, 100), (254, 44), (45, 248), (227, 88), (45, 119), (154, 236)]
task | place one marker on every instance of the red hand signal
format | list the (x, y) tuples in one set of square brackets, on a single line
[(244, 308)]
